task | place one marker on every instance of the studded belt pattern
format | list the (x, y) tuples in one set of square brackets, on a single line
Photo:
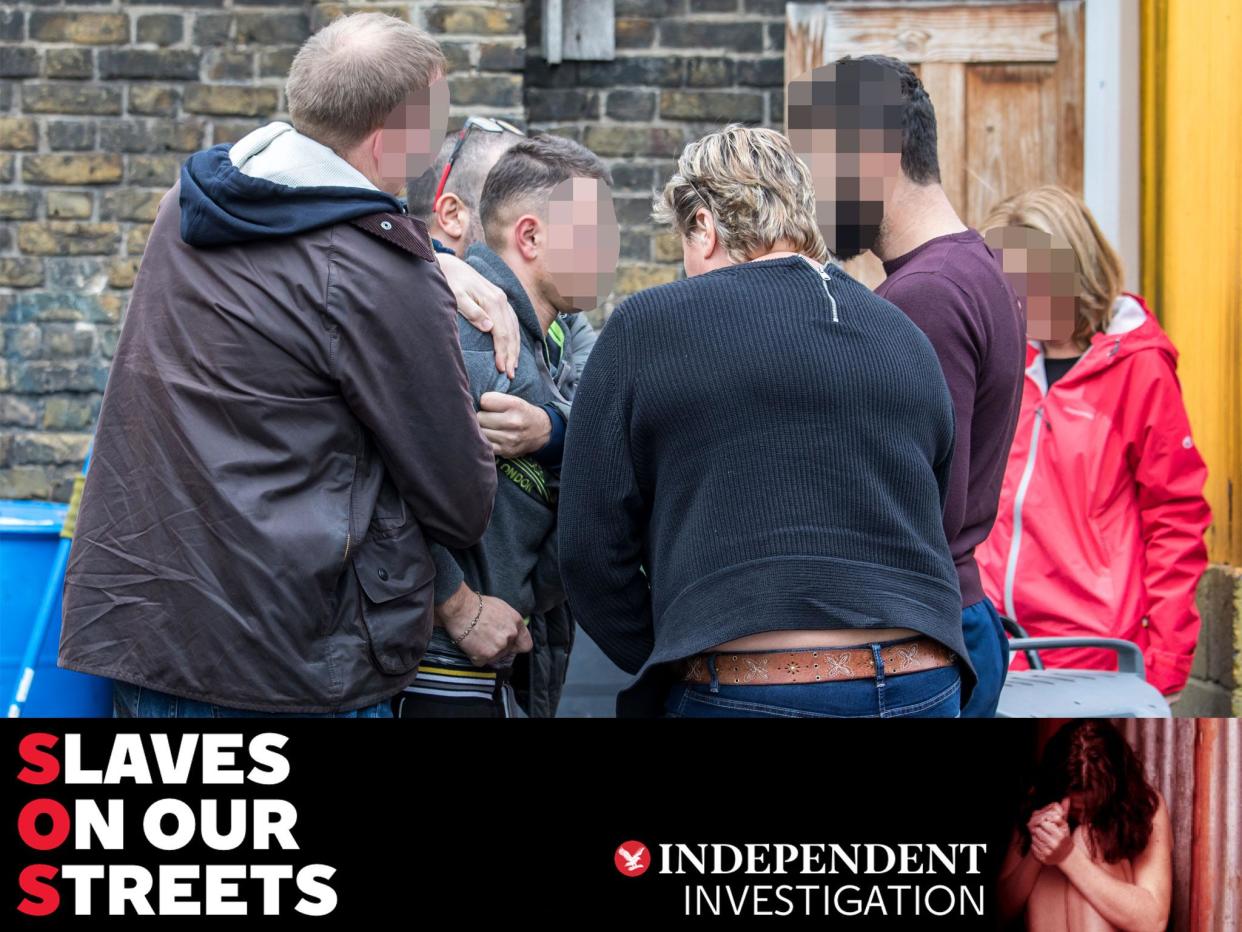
[(817, 665)]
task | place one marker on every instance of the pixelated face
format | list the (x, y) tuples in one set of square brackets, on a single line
[(1043, 270), (845, 122), (413, 133), (584, 242)]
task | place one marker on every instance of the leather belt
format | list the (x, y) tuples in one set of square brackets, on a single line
[(817, 665)]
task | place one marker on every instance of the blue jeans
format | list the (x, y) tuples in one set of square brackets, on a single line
[(988, 647), (934, 693), (130, 701)]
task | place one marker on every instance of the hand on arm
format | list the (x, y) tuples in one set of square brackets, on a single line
[(513, 426), (1051, 840), (486, 308)]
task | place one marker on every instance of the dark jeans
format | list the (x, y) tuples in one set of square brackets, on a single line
[(130, 701), (932, 693), (988, 646)]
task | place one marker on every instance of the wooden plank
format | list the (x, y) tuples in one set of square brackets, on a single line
[(1005, 146), (1071, 40), (945, 84), (804, 44), (1050, 135), (818, 33)]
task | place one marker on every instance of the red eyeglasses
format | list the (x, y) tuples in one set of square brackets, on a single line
[(488, 125)]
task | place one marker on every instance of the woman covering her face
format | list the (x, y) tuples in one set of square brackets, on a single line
[(1092, 850)]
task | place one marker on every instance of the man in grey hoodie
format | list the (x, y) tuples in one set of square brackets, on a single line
[(446, 197), (551, 246)]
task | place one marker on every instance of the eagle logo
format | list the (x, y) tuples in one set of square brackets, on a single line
[(632, 858)]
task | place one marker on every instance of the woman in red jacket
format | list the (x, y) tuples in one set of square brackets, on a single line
[(1102, 516)]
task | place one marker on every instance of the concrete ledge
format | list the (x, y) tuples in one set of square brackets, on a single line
[(1215, 686)]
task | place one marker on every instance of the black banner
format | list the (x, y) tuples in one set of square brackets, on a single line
[(464, 822)]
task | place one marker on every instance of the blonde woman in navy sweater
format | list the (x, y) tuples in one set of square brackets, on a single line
[(753, 481)]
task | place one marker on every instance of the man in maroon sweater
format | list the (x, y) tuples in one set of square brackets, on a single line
[(867, 129)]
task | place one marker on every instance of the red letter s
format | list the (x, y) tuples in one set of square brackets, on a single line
[(33, 750), (33, 881)]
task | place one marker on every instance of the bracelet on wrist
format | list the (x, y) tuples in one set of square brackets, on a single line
[(477, 615)]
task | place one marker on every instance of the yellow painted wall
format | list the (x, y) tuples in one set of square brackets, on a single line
[(1192, 228)]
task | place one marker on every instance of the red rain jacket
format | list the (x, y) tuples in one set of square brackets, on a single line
[(1102, 515)]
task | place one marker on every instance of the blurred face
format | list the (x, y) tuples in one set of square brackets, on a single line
[(1043, 270), (845, 124), (583, 244), (413, 133)]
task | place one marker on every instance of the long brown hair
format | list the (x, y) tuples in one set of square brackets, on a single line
[(1062, 213), (1092, 758)]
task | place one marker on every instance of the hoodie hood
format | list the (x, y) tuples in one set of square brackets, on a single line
[(494, 269), (1133, 328), (273, 183)]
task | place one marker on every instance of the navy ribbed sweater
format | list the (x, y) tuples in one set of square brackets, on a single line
[(745, 456)]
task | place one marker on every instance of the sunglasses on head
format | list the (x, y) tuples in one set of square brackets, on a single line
[(487, 125)]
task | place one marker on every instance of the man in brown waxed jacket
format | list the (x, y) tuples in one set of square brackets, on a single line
[(288, 422)]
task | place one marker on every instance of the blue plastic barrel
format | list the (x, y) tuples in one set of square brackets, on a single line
[(29, 536)]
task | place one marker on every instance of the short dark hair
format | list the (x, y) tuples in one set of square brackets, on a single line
[(919, 160), (840, 91), (532, 168)]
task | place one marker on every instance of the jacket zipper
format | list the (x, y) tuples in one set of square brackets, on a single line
[(1011, 565), (349, 536)]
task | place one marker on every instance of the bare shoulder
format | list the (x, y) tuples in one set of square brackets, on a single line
[(1161, 816)]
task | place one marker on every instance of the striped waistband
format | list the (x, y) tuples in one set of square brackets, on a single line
[(436, 671)]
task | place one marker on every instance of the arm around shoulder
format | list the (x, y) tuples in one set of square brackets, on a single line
[(398, 362)]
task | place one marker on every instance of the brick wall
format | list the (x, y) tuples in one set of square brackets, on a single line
[(682, 68), (99, 105)]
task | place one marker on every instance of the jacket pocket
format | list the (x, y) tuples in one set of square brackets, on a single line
[(390, 511), (396, 575)]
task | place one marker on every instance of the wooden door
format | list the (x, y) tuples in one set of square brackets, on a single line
[(1006, 80)]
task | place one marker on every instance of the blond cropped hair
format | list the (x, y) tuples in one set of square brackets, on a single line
[(1060, 212), (347, 78), (757, 190)]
